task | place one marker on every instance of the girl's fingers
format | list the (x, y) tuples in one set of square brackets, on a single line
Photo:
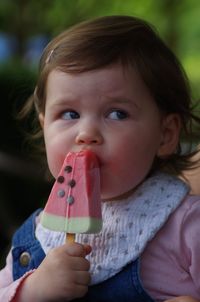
[(88, 249), (83, 278), (78, 264), (77, 249)]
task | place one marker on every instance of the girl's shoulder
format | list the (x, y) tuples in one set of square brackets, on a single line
[(189, 206), (189, 215), (182, 228), (185, 217), (175, 251)]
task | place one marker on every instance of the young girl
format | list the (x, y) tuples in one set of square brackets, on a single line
[(112, 86)]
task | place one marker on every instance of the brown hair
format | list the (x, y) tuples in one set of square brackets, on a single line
[(132, 42)]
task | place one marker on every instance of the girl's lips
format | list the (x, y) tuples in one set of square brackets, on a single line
[(101, 162)]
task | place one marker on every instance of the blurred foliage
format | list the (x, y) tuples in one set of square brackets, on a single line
[(177, 21)]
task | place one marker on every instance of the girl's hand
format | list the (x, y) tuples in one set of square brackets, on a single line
[(62, 276), (183, 299)]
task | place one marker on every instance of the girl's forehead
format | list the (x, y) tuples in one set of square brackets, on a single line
[(114, 70), (111, 77), (109, 83)]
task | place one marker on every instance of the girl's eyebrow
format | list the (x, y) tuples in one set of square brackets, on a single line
[(59, 102), (122, 100), (112, 101)]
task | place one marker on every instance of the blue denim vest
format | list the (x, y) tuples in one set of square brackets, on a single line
[(125, 286)]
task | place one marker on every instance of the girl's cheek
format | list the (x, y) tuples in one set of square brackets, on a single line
[(55, 161)]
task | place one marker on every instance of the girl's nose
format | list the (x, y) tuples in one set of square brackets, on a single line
[(89, 138)]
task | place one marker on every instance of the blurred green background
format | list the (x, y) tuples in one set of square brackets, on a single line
[(26, 26)]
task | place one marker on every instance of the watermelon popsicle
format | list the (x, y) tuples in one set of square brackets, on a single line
[(74, 204)]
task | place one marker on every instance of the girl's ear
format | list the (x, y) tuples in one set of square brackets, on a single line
[(41, 119), (171, 126)]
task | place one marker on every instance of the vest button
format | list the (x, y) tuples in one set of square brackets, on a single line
[(24, 259)]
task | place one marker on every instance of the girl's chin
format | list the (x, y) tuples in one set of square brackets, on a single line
[(117, 197)]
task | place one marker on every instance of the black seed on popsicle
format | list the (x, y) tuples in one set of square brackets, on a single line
[(61, 193), (70, 199), (60, 179), (72, 183), (68, 169)]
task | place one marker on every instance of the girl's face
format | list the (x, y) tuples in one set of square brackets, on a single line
[(111, 112)]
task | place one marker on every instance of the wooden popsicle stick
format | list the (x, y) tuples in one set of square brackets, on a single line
[(70, 237)]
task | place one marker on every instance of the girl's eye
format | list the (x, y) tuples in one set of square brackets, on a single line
[(118, 115), (70, 115)]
